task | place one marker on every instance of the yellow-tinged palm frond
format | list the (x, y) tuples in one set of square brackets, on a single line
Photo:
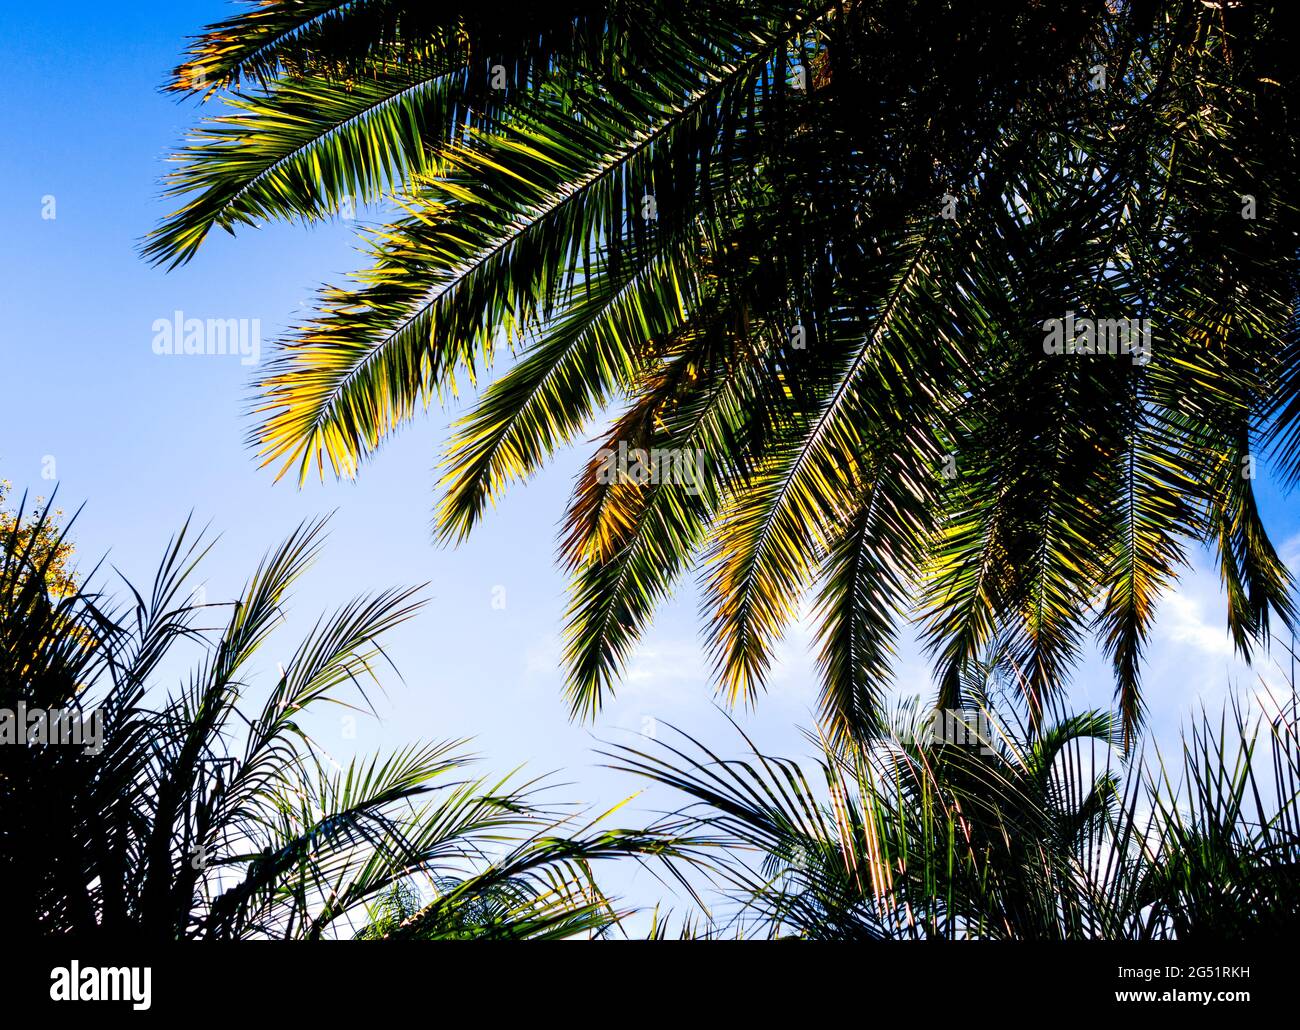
[(800, 247)]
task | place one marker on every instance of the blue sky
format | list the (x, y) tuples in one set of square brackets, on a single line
[(146, 439)]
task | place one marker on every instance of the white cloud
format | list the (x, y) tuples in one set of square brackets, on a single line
[(1182, 620)]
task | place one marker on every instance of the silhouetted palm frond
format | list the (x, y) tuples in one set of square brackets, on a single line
[(1004, 831), (192, 813)]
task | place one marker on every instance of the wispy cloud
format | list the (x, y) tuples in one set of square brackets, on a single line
[(1184, 622)]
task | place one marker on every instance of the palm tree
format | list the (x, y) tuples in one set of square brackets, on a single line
[(1003, 833), (821, 254), (191, 814)]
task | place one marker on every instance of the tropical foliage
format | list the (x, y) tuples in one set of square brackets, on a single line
[(817, 245), (197, 815), (34, 533), (199, 812), (1001, 833)]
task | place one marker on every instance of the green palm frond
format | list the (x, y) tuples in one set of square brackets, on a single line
[(783, 237), (1020, 832)]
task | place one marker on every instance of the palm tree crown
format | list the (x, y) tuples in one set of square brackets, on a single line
[(966, 316), (193, 814)]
